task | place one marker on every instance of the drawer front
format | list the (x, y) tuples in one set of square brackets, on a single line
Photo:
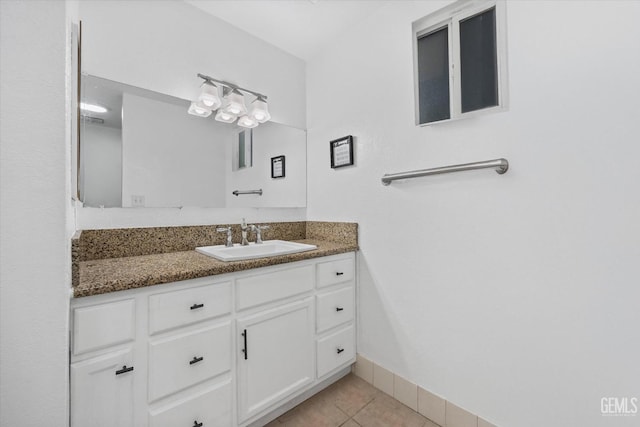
[(267, 287), (336, 350), (212, 408), (185, 359), (178, 308), (102, 325), (333, 272), (334, 308)]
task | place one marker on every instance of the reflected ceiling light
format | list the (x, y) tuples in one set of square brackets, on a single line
[(224, 117), (93, 108), (209, 95), (199, 109), (260, 110), (231, 105), (247, 122)]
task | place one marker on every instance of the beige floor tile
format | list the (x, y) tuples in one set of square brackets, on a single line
[(383, 379), (350, 423), (350, 394), (315, 412), (274, 423), (431, 424), (431, 406), (385, 411), (458, 417)]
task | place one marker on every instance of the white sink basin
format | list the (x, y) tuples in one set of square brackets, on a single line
[(268, 248)]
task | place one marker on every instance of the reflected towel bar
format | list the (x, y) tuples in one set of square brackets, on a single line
[(239, 192), (500, 165)]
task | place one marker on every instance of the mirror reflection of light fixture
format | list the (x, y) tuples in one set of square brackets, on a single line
[(92, 107), (231, 105)]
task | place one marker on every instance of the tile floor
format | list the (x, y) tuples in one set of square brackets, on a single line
[(351, 402)]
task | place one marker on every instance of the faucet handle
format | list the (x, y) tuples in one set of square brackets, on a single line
[(223, 229), (263, 227)]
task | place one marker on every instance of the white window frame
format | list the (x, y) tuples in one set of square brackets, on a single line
[(450, 18)]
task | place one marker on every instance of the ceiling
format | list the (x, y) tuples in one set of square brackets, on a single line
[(299, 27)]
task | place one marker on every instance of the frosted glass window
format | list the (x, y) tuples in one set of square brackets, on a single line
[(433, 72), (478, 62)]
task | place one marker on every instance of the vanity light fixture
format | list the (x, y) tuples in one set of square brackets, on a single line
[(199, 109), (260, 110), (247, 122), (231, 105), (223, 116), (209, 95)]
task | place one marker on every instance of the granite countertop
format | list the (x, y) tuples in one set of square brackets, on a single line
[(117, 274)]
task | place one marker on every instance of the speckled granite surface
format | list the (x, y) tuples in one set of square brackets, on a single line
[(114, 260), (118, 274)]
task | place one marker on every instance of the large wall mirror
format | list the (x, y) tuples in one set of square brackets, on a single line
[(141, 149)]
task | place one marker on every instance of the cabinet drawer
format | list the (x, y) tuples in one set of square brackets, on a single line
[(212, 408), (185, 359), (334, 308), (336, 350), (332, 272), (178, 308), (103, 325), (267, 287)]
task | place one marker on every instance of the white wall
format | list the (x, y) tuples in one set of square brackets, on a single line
[(161, 46), (514, 296), (101, 167), (35, 214), (170, 157)]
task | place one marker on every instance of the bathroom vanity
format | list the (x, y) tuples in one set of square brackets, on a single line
[(221, 350)]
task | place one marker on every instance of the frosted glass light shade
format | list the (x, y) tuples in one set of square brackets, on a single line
[(247, 122), (235, 103), (260, 111), (199, 109), (209, 96), (224, 117)]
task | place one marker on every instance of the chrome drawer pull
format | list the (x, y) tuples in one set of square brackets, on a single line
[(196, 360), (124, 370), (196, 306), (340, 350), (339, 308)]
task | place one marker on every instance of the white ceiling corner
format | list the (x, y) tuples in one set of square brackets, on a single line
[(300, 27)]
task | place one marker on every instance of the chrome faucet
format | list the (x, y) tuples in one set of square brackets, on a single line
[(227, 230), (245, 229), (258, 230)]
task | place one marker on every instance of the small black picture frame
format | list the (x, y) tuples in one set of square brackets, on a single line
[(277, 167), (342, 152)]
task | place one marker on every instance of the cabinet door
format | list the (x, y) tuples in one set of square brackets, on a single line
[(275, 357), (102, 391)]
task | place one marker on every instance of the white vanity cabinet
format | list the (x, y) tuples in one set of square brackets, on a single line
[(217, 351)]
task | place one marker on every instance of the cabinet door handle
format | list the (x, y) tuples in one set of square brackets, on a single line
[(339, 273), (340, 350), (245, 350), (197, 424), (196, 360), (196, 306), (339, 308), (124, 370)]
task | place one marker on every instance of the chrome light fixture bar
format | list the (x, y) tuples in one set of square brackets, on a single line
[(231, 105)]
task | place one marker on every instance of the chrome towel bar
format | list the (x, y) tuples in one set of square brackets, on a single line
[(500, 165), (239, 192)]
